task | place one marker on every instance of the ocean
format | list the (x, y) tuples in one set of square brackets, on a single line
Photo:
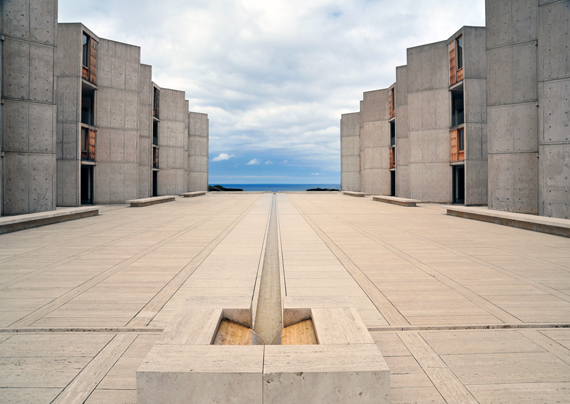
[(279, 187)]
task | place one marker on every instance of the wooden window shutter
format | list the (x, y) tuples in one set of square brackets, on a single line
[(454, 146), (452, 73), (91, 147), (391, 102), (392, 158), (92, 61)]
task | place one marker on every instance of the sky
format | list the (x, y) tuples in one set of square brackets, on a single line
[(274, 76)]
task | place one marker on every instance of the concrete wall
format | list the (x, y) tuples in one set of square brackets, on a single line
[(350, 152), (512, 101), (475, 105), (554, 108), (429, 117), (116, 174), (198, 135), (375, 143), (145, 132), (402, 140), (68, 76), (173, 143), (29, 28)]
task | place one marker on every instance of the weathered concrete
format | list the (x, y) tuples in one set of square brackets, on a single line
[(402, 140), (198, 140), (350, 152), (28, 113)]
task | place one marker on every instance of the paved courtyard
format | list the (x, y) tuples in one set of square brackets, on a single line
[(463, 311)]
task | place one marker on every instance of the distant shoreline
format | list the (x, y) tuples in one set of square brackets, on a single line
[(278, 187)]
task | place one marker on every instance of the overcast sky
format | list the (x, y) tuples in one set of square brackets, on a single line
[(274, 76)]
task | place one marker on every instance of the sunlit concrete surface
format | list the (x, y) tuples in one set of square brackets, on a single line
[(90, 297)]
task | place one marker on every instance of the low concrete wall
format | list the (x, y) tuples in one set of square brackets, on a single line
[(137, 203), (22, 222)]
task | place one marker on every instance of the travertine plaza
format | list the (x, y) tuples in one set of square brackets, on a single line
[(160, 292)]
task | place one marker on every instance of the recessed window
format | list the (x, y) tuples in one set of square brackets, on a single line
[(461, 136), (459, 48), (392, 133), (85, 50)]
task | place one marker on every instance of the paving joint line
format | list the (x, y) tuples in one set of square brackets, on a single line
[(470, 327), (80, 330)]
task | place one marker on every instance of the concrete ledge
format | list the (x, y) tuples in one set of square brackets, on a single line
[(356, 194), (193, 194), (558, 227), (9, 224), (137, 203), (396, 201)]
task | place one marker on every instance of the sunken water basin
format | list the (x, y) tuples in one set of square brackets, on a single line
[(187, 366), (297, 351)]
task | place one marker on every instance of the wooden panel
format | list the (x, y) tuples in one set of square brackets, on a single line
[(155, 157), (85, 73), (302, 333), (452, 75), (460, 75), (91, 147), (392, 157), (84, 143), (92, 61), (391, 102), (454, 145)]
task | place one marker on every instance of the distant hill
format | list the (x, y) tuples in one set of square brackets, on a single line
[(213, 188), (322, 189)]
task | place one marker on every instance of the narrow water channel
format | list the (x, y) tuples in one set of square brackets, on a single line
[(268, 319)]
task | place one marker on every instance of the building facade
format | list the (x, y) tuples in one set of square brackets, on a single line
[(481, 119), (83, 122)]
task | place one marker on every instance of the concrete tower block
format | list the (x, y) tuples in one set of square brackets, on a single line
[(198, 149), (28, 114)]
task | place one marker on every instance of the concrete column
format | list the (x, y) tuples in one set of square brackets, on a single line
[(145, 132), (350, 152), (512, 104), (28, 122), (198, 148), (554, 108), (429, 118), (375, 143), (172, 175), (117, 170), (402, 140)]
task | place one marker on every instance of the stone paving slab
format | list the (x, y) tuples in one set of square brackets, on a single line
[(441, 293)]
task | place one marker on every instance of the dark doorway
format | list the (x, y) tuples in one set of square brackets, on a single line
[(87, 185), (155, 183), (459, 184), (392, 183)]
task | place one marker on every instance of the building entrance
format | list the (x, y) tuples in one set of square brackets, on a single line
[(459, 184), (87, 185)]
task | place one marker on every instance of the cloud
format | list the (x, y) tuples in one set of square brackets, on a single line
[(275, 77), (284, 162), (253, 162), (268, 162), (222, 157), (315, 174)]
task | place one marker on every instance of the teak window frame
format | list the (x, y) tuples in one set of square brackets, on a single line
[(89, 72), (456, 56), (88, 142), (391, 98), (456, 143)]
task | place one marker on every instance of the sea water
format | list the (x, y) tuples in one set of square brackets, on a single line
[(279, 187)]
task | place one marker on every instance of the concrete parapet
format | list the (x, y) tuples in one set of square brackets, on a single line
[(396, 201), (137, 203), (559, 227), (9, 224), (356, 194)]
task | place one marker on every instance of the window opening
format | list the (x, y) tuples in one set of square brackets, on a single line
[(457, 111), (392, 133), (459, 53)]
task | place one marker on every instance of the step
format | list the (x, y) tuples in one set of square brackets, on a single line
[(355, 194), (193, 194), (9, 224), (137, 203), (397, 201)]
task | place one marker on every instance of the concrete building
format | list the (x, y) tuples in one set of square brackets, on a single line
[(423, 137), (528, 106), (482, 118), (28, 111), (82, 121), (120, 135)]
